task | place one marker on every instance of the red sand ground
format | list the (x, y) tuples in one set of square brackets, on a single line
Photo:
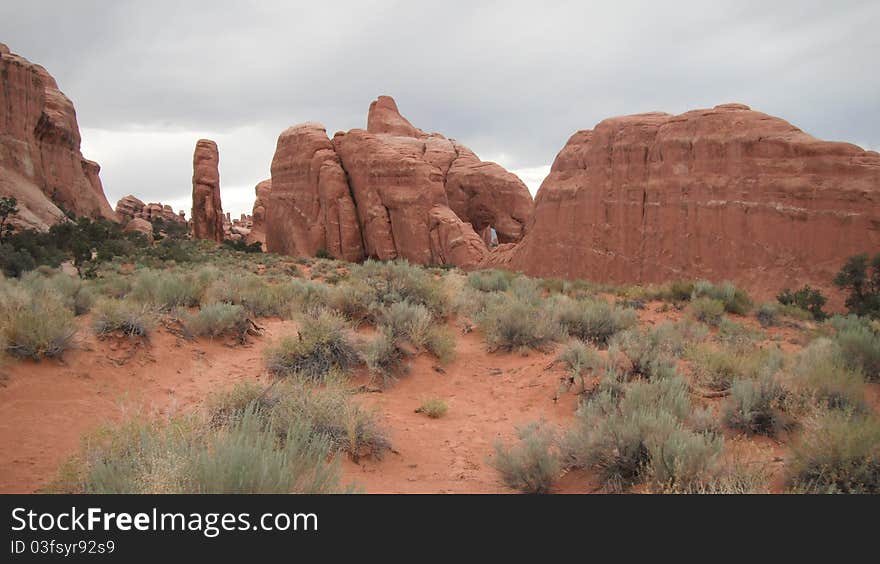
[(46, 407)]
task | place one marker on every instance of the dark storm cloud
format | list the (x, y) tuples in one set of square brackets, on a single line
[(512, 80)]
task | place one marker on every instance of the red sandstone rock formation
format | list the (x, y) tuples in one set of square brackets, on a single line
[(207, 210), (141, 226), (129, 207), (310, 206), (237, 229), (40, 160), (384, 117), (258, 215), (391, 191), (726, 193)]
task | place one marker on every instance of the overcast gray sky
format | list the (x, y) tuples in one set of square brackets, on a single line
[(512, 80)]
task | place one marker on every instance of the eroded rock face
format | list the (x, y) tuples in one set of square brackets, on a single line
[(258, 215), (390, 191), (727, 193), (40, 160), (310, 207), (207, 210)]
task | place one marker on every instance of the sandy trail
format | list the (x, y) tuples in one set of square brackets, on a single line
[(488, 396)]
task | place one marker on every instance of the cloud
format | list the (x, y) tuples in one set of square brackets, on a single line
[(511, 78)]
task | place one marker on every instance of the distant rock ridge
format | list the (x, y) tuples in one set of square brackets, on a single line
[(130, 207), (726, 193), (390, 191), (40, 160)]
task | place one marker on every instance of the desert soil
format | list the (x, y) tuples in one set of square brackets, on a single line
[(47, 407)]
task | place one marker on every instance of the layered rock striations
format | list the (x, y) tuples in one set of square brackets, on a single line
[(40, 160), (390, 191), (723, 193), (207, 210)]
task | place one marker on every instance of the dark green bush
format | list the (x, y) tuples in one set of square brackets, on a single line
[(242, 246), (806, 298), (860, 276)]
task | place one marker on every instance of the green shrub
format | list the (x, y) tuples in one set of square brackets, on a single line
[(738, 334), (77, 296), (133, 320), (328, 411), (860, 345), (840, 453), (754, 406), (305, 295), (242, 246), (807, 299), (733, 299), (404, 320), (704, 420), (412, 324), (646, 354), (620, 434), (441, 343), (768, 315), (354, 300), (384, 358), (259, 297), (246, 458), (578, 359), (321, 346), (716, 369), (180, 457), (514, 324), (681, 291), (35, 323), (166, 290), (114, 286), (822, 371), (594, 321), (228, 405), (682, 460), (735, 478), (217, 319), (399, 281), (532, 465), (434, 408), (707, 310), (490, 280)]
